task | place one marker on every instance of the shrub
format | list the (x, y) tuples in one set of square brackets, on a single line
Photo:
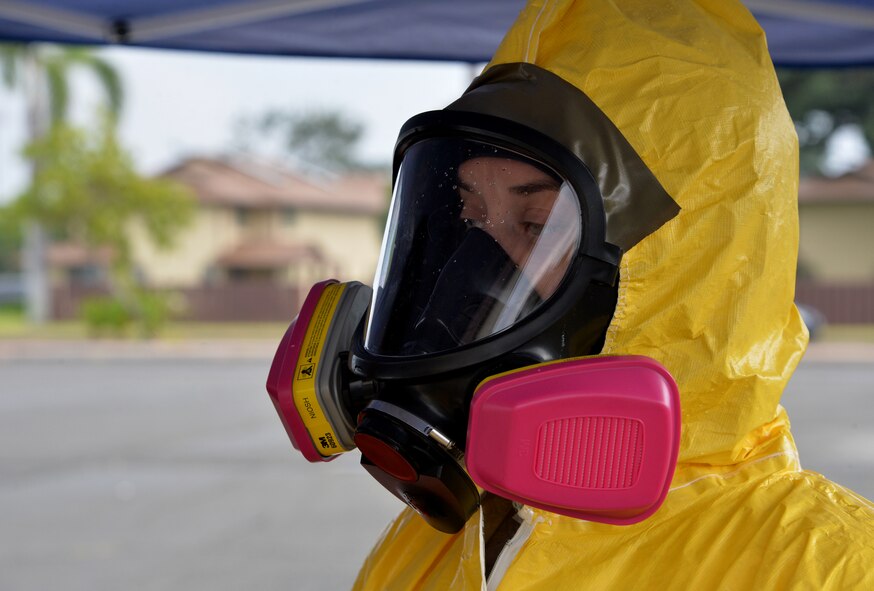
[(153, 312), (105, 315)]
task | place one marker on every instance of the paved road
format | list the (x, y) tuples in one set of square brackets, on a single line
[(175, 474), (165, 475), (831, 407)]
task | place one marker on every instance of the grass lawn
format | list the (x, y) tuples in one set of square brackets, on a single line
[(848, 333), (14, 326)]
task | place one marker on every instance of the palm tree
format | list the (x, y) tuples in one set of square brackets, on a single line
[(52, 65), (43, 72)]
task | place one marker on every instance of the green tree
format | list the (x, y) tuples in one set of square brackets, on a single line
[(10, 242), (42, 71), (86, 190), (820, 101), (327, 139)]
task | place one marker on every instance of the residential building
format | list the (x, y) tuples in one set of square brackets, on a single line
[(836, 251), (260, 237), (256, 221), (837, 227)]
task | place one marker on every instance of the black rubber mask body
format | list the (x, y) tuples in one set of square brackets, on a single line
[(464, 294)]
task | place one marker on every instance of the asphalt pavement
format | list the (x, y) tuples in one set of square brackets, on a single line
[(167, 468)]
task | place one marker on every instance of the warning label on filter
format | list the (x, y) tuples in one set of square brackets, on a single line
[(304, 387), (318, 328), (305, 372)]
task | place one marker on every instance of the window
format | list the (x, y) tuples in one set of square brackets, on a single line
[(243, 216)]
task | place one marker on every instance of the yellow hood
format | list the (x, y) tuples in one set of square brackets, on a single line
[(709, 294)]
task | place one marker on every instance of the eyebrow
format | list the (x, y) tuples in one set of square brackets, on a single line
[(536, 187)]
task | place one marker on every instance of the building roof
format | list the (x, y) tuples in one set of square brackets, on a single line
[(853, 187), (249, 183), (268, 255), (66, 255)]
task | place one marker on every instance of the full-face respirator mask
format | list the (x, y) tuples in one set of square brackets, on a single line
[(469, 366)]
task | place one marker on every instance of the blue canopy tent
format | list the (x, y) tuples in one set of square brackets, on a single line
[(800, 32)]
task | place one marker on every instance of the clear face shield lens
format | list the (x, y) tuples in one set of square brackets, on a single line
[(478, 238)]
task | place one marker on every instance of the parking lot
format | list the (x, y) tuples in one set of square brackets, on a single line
[(165, 473)]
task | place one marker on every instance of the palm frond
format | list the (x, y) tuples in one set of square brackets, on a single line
[(11, 55), (112, 84), (106, 74), (59, 93)]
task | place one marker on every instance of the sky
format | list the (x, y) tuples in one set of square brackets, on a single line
[(847, 150), (181, 104)]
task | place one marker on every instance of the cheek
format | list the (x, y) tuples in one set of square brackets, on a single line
[(517, 246)]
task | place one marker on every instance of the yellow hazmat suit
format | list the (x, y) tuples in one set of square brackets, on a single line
[(709, 295)]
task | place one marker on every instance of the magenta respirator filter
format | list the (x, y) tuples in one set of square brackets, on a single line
[(304, 380), (593, 438)]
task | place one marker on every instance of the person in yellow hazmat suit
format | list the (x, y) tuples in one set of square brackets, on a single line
[(675, 110)]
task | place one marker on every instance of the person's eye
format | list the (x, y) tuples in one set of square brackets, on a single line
[(533, 229), (472, 223)]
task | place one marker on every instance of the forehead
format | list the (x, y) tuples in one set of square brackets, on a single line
[(509, 167)]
